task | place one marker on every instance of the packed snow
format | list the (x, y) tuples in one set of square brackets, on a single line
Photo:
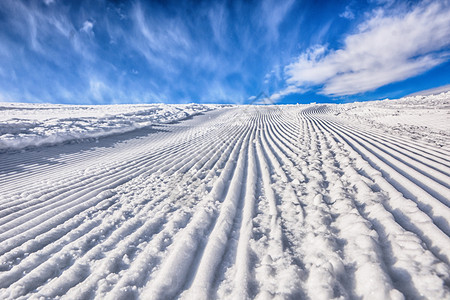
[(26, 125), (319, 201), (424, 118)]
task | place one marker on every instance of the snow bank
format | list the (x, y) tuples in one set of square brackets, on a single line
[(26, 125), (425, 118)]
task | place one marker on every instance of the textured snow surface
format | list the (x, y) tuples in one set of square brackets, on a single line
[(27, 125), (288, 202), (425, 118)]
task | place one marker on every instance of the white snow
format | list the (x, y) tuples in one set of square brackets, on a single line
[(24, 125), (420, 117), (318, 201)]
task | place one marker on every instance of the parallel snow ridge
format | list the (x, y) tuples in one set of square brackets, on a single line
[(238, 203), (30, 125), (425, 118)]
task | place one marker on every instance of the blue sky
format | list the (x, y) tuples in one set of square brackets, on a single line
[(103, 52)]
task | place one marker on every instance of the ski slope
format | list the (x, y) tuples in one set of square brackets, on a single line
[(24, 125), (238, 202)]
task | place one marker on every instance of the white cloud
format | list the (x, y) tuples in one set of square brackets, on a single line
[(98, 89), (37, 25), (88, 27), (433, 91), (287, 91), (159, 37), (274, 77), (347, 14), (274, 12), (4, 97), (385, 49), (218, 19)]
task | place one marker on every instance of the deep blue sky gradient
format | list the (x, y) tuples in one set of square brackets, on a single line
[(103, 52)]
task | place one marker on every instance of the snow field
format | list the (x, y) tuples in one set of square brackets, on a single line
[(30, 125), (422, 118), (255, 202)]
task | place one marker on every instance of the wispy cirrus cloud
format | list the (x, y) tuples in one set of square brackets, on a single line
[(432, 91), (387, 48), (273, 13), (99, 52), (106, 51), (348, 13), (287, 91)]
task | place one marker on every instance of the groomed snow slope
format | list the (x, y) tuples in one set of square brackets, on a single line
[(24, 125), (242, 202)]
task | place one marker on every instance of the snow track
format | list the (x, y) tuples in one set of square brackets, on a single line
[(244, 202)]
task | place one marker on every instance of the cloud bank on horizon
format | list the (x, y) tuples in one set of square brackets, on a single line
[(101, 52)]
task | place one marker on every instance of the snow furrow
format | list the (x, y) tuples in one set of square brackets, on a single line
[(278, 261), (219, 151), (432, 181), (130, 168), (362, 253), (148, 256), (218, 239), (407, 213), (442, 166), (240, 274), (437, 210), (323, 259), (290, 202), (189, 247), (395, 241)]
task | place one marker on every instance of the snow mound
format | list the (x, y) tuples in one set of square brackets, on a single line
[(30, 125)]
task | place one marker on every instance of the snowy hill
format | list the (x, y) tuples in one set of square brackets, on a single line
[(25, 125), (300, 201)]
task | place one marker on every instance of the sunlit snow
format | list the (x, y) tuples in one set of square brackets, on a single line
[(329, 201)]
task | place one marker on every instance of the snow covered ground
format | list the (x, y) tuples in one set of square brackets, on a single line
[(27, 125), (425, 118), (305, 201)]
